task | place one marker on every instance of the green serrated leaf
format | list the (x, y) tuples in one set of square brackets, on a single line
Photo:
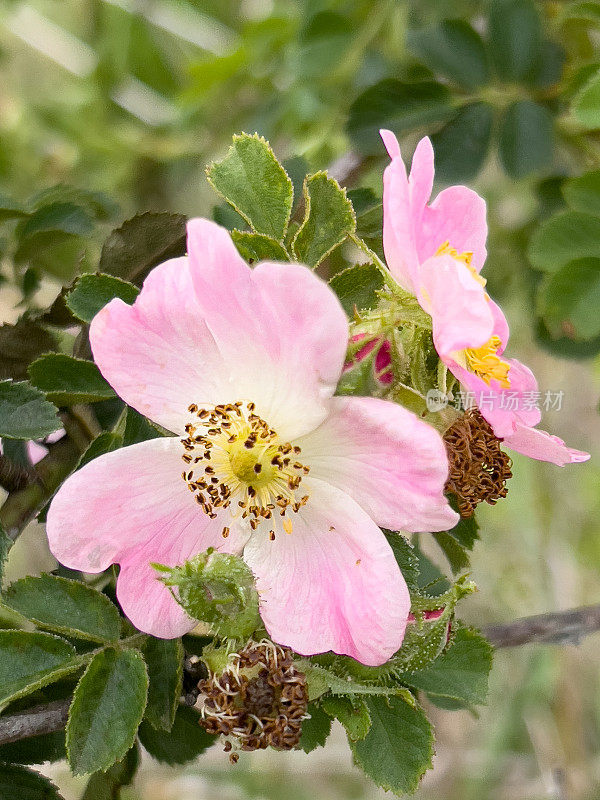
[(569, 298), (526, 138), (25, 413), (255, 184), (328, 219), (93, 292), (184, 742), (460, 672), (456, 554), (35, 750), (315, 729), (453, 49), (31, 660), (398, 749), (406, 558), (66, 380), (20, 783), (64, 217), (107, 708), (514, 35), (164, 659), (107, 785), (258, 247), (105, 442), (142, 242), (567, 236), (357, 287), (352, 713), (138, 429), (20, 344), (65, 606), (396, 105), (466, 532)]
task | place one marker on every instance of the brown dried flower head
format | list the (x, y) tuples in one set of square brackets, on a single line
[(479, 468), (259, 701)]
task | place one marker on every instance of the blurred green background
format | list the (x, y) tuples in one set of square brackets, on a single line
[(125, 101)]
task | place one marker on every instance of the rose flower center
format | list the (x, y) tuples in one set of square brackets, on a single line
[(238, 461)]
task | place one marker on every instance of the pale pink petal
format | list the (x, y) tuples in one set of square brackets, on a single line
[(543, 446), (398, 223), (500, 326), (391, 143), (332, 583), (421, 177), (504, 409), (207, 329), (457, 216), (159, 354), (145, 600), (283, 335), (124, 500), (392, 463), (460, 310)]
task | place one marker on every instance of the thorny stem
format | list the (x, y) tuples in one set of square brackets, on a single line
[(563, 627)]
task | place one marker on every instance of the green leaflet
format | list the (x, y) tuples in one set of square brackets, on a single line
[(25, 413), (398, 749), (65, 606), (164, 659), (66, 380), (106, 711), (329, 218), (255, 184), (31, 660), (93, 292)]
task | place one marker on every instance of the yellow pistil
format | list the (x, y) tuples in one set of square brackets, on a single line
[(237, 461), (484, 362)]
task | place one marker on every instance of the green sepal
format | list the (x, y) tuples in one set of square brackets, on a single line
[(217, 588)]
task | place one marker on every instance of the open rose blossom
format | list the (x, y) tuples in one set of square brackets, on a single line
[(241, 365), (436, 251)]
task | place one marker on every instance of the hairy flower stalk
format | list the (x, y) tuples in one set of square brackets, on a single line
[(259, 701), (479, 468), (265, 464)]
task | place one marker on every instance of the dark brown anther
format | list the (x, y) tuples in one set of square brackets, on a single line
[(479, 468)]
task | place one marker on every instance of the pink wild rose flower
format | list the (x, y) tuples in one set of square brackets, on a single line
[(241, 365), (436, 251)]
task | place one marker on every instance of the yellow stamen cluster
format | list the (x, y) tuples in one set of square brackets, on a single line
[(467, 257), (239, 462), (484, 362)]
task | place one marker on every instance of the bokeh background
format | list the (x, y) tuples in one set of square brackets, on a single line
[(129, 99)]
